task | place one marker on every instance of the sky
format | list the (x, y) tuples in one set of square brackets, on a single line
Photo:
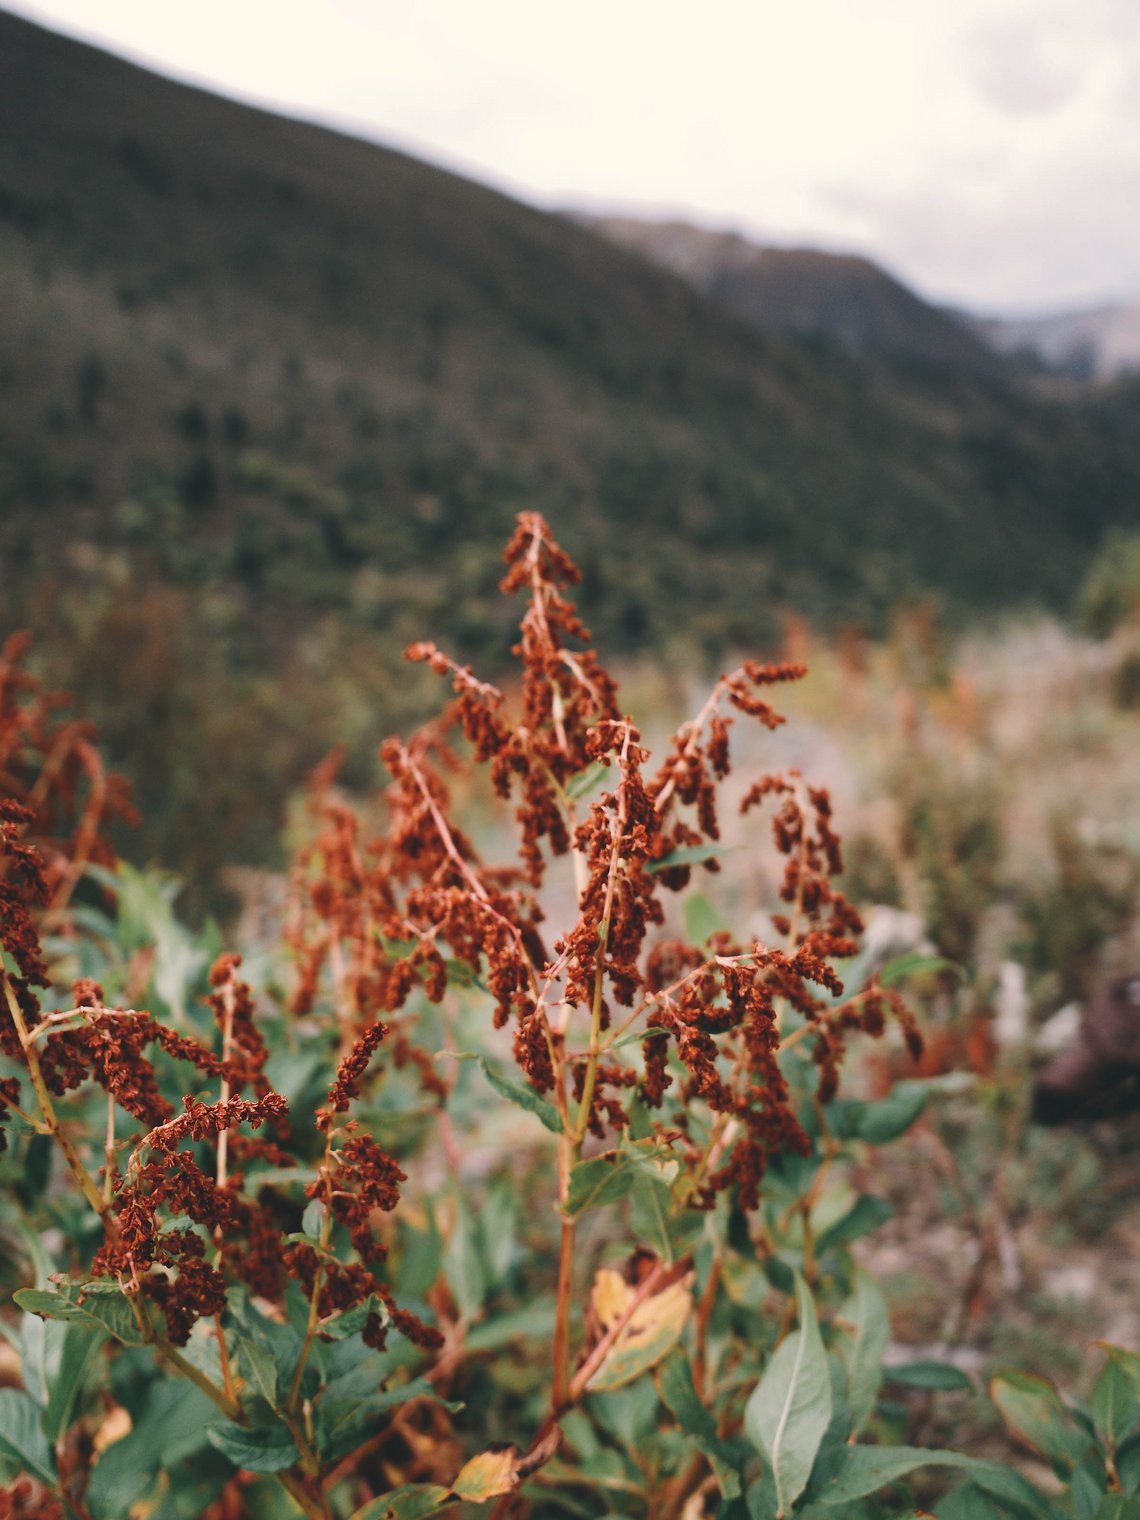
[(985, 151)]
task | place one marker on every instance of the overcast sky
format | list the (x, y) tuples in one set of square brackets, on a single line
[(988, 151)]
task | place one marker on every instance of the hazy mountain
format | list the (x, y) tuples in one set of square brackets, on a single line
[(272, 396), (853, 303), (847, 300), (1100, 344)]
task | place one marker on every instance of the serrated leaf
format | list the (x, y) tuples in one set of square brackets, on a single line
[(525, 1097), (416, 1501), (262, 1448), (915, 963), (790, 1408), (868, 1326), (934, 1377), (486, 1476), (88, 1304), (1032, 1410), (651, 1332), (22, 1437)]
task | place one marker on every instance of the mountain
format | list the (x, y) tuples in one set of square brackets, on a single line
[(845, 299), (272, 396), (1100, 344)]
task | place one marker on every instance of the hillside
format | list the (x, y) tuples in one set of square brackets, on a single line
[(1100, 344), (845, 299), (272, 395)]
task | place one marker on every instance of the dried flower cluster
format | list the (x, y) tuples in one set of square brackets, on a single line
[(51, 765), (716, 1009), (611, 1013)]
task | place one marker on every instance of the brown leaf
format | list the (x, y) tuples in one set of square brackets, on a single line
[(488, 1474), (652, 1331)]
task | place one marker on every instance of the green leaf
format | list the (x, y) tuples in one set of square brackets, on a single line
[(516, 1092), (462, 1264), (344, 1420), (585, 781), (702, 920), (415, 1502), (867, 1213), (915, 963), (352, 1321), (269, 1349), (877, 1123), (941, 1377), (170, 1427), (525, 1096), (609, 1177), (868, 1325), (649, 1212), (1115, 1402), (866, 1469), (119, 1479), (1128, 1465), (80, 1344), (258, 1365), (967, 1502), (1117, 1507), (1032, 1409), (497, 1229), (675, 1380), (22, 1436), (534, 1321), (264, 1448), (687, 855), (96, 1305), (790, 1408)]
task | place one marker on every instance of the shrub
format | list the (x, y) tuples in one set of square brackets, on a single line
[(283, 1257)]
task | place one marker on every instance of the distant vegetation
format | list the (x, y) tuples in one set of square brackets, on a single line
[(271, 397)]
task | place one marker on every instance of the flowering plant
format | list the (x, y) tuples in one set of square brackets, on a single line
[(278, 1246)]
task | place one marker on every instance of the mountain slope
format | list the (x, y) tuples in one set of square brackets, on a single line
[(271, 397), (841, 297), (1099, 344)]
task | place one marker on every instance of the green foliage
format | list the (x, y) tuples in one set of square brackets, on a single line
[(1109, 595)]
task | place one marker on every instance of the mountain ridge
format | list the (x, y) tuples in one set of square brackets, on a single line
[(272, 396)]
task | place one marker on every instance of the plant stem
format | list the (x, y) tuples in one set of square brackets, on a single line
[(560, 1387), (224, 1401), (82, 1176), (315, 1507)]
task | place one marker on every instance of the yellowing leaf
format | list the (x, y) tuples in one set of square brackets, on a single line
[(488, 1474), (652, 1331)]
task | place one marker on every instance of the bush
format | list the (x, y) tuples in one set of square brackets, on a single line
[(461, 1209)]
